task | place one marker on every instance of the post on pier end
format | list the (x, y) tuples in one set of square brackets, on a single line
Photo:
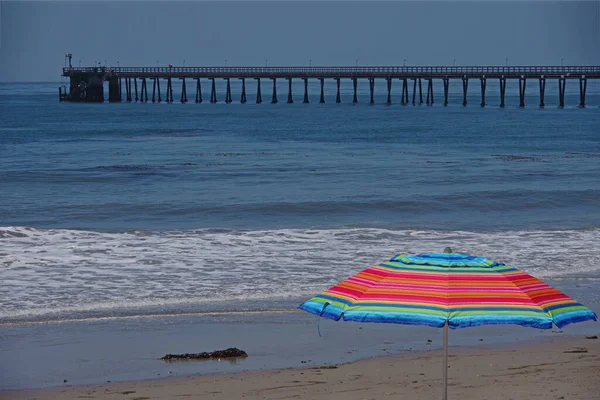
[(542, 91), (429, 91), (414, 91), (582, 89), (322, 96), (502, 90), (404, 100), (274, 96), (522, 84), (290, 99), (465, 82), (183, 99), (243, 95), (446, 82), (198, 91), (228, 98), (135, 86), (371, 90), (483, 81), (389, 90), (355, 84), (562, 84), (305, 90), (338, 98), (258, 93)]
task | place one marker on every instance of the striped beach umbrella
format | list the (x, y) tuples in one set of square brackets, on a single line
[(449, 290)]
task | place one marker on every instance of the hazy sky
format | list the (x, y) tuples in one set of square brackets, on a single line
[(36, 35)]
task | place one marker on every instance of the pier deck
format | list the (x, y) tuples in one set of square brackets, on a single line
[(86, 83)]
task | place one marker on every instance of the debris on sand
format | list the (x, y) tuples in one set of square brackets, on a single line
[(231, 352)]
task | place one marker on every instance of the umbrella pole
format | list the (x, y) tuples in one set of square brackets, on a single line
[(445, 374)]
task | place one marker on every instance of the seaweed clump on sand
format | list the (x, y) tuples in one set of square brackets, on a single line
[(231, 352)]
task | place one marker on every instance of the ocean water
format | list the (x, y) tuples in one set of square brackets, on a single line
[(112, 210)]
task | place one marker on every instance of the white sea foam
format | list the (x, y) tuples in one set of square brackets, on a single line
[(48, 272)]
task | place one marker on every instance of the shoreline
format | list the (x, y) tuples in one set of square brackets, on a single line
[(553, 367), (118, 350)]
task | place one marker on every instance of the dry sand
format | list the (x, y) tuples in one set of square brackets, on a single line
[(558, 368)]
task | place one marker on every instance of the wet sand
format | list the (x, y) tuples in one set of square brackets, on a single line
[(551, 368)]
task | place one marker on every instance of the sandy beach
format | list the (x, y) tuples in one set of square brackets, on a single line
[(553, 368)]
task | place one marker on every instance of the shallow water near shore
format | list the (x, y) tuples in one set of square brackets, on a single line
[(120, 348), (128, 231)]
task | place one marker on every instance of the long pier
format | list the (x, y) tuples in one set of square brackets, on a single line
[(86, 84)]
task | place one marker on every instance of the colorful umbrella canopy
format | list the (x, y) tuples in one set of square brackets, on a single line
[(432, 289), (447, 290)]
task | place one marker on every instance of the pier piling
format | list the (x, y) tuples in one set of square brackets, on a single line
[(389, 90), (338, 99), (169, 90), (483, 86), (404, 100), (243, 95), (290, 99), (582, 89), (465, 82), (198, 91), (228, 98), (371, 90), (542, 91), (136, 91), (258, 93), (354, 84), (562, 84), (414, 91), (502, 90), (522, 85), (446, 82), (429, 91), (305, 90), (144, 91), (154, 89), (128, 89), (158, 89), (274, 95), (322, 97), (213, 91), (183, 99)]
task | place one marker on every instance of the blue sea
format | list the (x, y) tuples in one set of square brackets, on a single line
[(140, 210), (119, 206)]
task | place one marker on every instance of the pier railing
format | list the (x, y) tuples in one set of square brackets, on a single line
[(359, 71)]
